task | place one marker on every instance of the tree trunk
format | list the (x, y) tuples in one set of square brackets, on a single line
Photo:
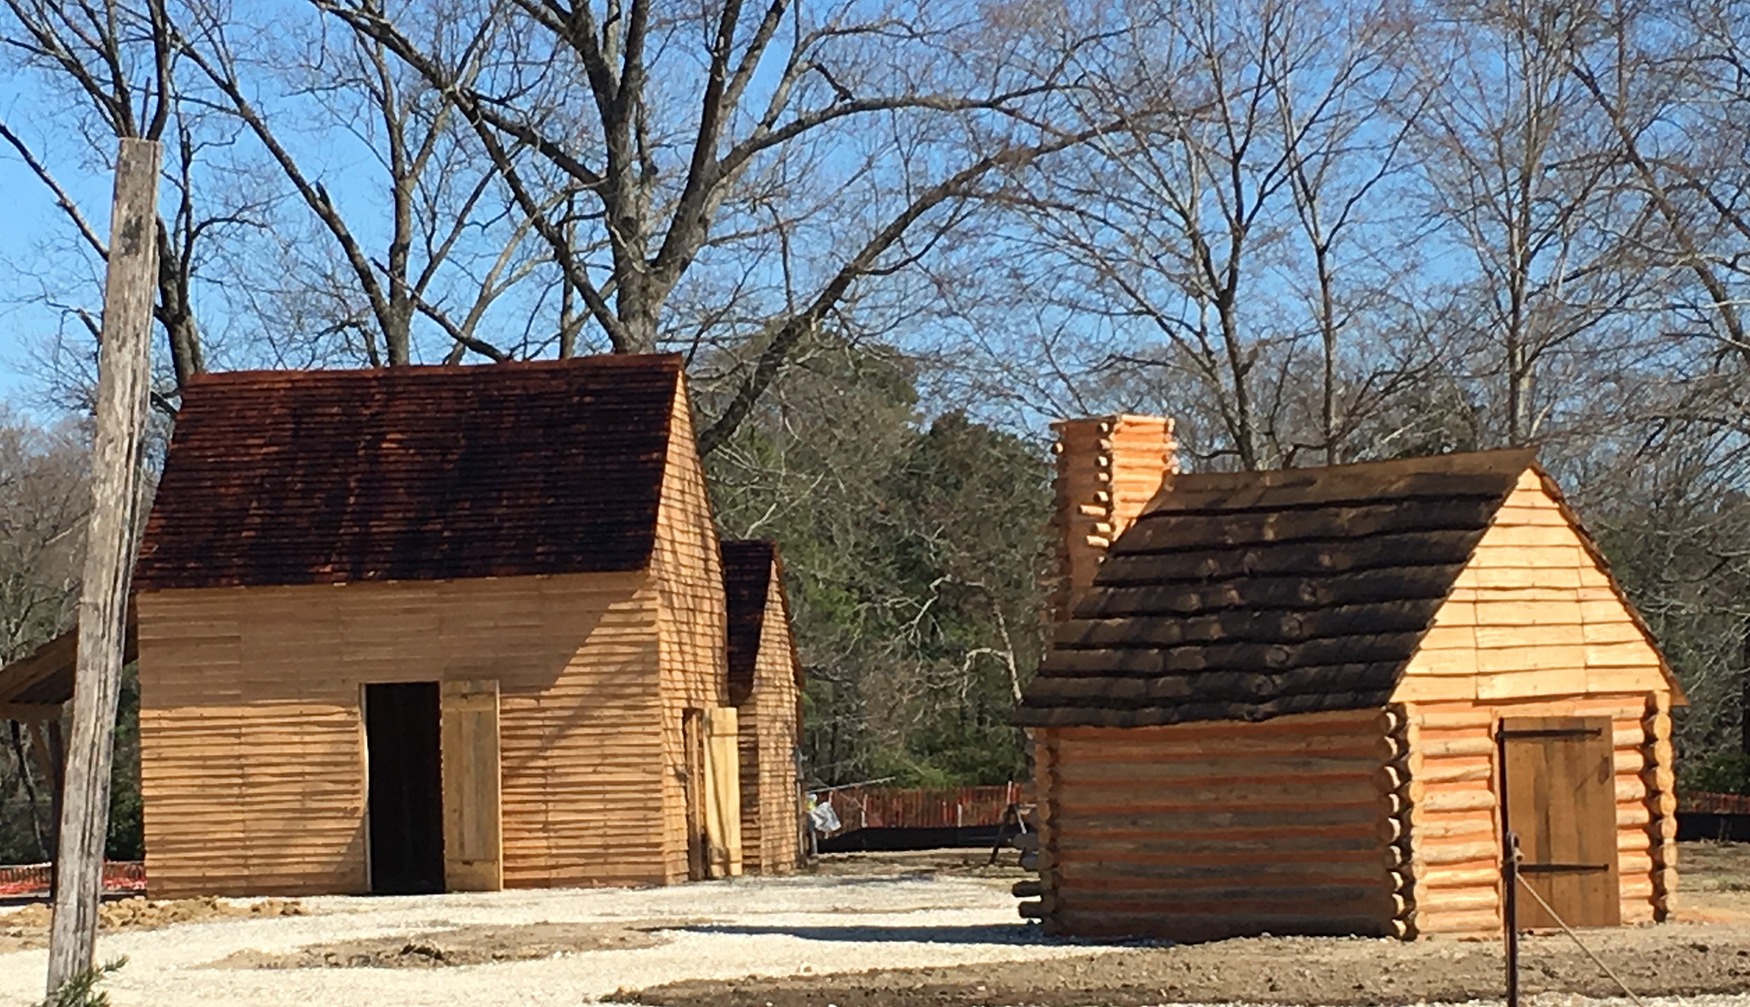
[(1744, 696), (36, 817)]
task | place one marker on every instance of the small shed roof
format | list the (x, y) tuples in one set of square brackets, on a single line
[(413, 473), (34, 686), (1244, 596)]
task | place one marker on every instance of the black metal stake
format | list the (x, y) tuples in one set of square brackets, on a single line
[(1509, 873)]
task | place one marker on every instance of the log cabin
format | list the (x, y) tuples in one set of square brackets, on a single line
[(429, 629), (765, 685), (1290, 702)]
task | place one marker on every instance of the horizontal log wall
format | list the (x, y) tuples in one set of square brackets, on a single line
[(1211, 830), (252, 744), (770, 803), (1660, 779), (688, 567), (1458, 818)]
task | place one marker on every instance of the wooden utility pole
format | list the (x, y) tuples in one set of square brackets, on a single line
[(123, 376)]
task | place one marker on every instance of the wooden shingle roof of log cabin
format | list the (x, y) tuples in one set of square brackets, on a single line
[(1246, 596), (417, 473)]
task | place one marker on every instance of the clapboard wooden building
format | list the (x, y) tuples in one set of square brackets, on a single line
[(1277, 706), (435, 628), (765, 684)]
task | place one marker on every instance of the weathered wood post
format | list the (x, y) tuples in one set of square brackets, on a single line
[(122, 381)]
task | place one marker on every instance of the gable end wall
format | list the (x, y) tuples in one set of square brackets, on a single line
[(768, 727), (688, 569), (1532, 627)]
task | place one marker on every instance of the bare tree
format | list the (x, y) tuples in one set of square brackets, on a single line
[(1524, 202), (802, 150), (116, 70), (43, 501), (350, 216), (1196, 227)]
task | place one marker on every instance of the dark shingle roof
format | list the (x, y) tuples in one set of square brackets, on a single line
[(747, 578), (1244, 596), (416, 473)]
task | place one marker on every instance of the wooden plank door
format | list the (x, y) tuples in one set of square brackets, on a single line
[(1561, 802), (473, 823), (723, 792)]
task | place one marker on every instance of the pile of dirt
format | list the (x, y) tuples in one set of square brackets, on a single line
[(1670, 960), (478, 945), (29, 927)]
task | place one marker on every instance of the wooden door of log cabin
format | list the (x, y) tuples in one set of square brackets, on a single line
[(473, 818), (1561, 802)]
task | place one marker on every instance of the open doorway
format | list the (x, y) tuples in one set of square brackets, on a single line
[(405, 795)]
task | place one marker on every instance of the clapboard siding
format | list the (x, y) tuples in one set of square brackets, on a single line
[(1211, 830), (770, 802), (252, 738), (689, 577)]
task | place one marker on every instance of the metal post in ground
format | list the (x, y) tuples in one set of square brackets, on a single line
[(1509, 872)]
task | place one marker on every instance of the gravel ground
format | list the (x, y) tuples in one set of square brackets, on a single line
[(872, 932), (722, 930)]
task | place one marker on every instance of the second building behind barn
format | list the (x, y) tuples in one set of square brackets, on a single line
[(765, 684), (434, 629)]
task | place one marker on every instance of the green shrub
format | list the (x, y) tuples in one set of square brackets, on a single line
[(82, 991), (1720, 773)]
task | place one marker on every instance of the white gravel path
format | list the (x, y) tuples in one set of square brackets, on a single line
[(783, 926), (786, 926)]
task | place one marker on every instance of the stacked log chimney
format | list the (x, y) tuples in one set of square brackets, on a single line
[(1108, 469)]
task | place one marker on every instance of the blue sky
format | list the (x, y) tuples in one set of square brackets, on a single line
[(27, 214)]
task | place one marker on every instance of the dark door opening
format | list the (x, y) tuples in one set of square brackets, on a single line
[(405, 796), (693, 741)]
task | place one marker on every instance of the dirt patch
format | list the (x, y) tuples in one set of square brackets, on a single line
[(29, 927), (1714, 882), (1678, 960), (1707, 951), (456, 946)]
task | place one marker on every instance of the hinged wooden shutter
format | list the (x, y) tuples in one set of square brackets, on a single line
[(473, 841), (1561, 802), (722, 793)]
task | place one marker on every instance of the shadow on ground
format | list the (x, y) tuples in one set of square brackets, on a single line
[(980, 933)]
